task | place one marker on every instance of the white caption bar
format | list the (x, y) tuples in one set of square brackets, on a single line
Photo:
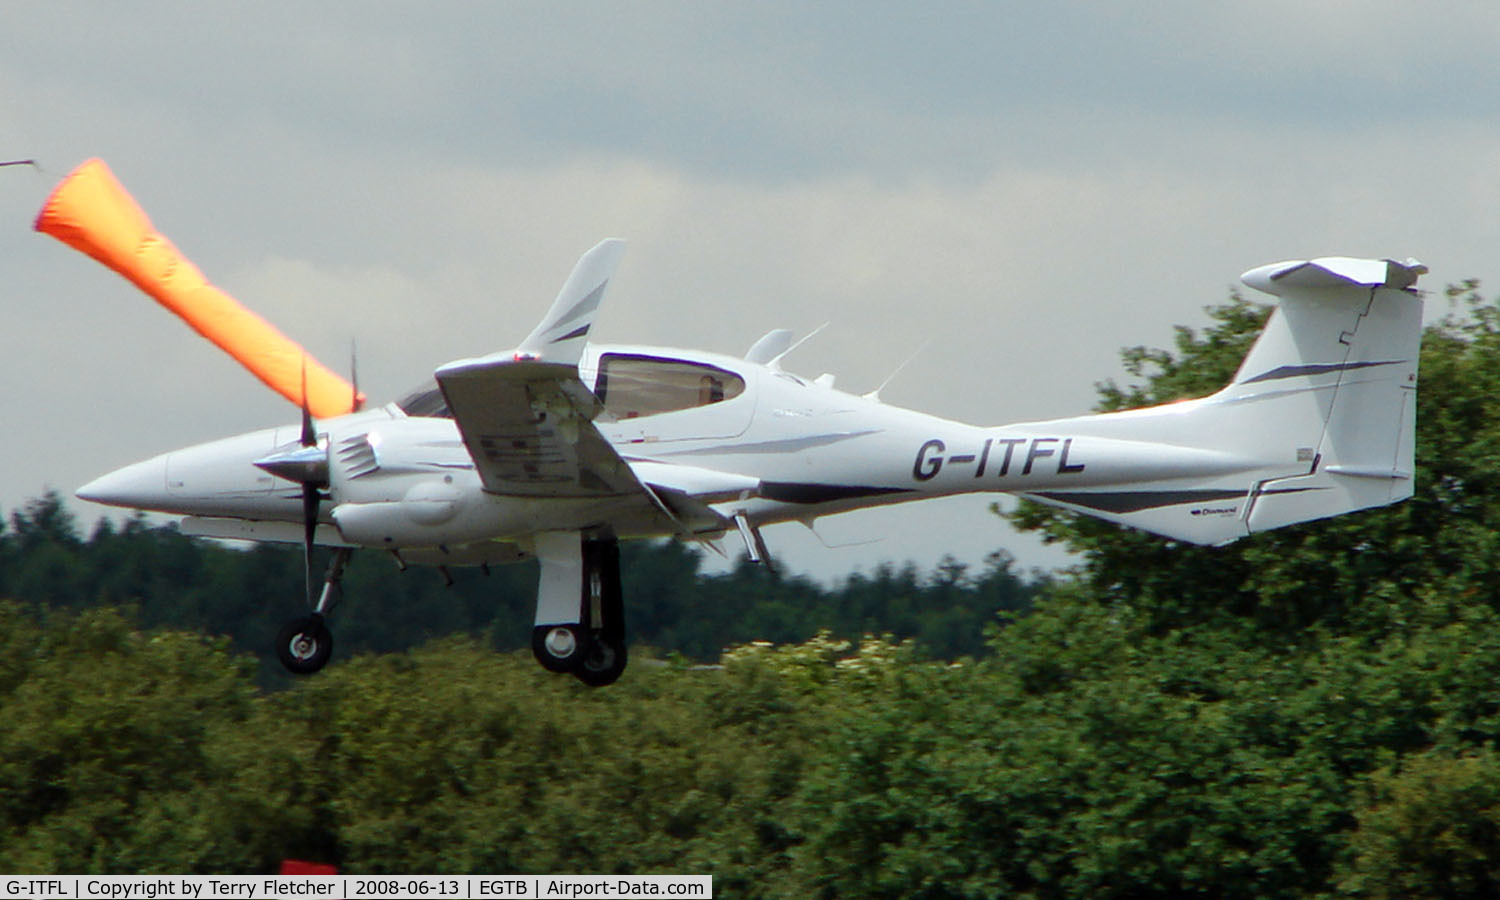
[(353, 887)]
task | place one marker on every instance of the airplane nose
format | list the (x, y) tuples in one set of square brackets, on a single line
[(141, 485), (218, 478)]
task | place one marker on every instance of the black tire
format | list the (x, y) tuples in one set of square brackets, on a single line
[(304, 645), (604, 664), (545, 647)]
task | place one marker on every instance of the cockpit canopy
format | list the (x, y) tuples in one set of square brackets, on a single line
[(633, 386), (630, 385)]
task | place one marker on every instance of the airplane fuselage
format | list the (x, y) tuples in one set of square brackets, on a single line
[(781, 448)]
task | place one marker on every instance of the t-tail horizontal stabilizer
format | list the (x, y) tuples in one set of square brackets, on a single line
[(1321, 415)]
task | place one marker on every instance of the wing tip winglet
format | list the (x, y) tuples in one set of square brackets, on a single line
[(563, 331)]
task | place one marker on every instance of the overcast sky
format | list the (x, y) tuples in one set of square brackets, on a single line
[(1028, 186)]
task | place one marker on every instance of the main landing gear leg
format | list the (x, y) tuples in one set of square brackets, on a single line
[(580, 615), (604, 612), (304, 644)]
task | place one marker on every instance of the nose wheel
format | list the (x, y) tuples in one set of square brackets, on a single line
[(304, 644)]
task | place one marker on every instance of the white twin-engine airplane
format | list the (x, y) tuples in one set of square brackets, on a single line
[(560, 449)]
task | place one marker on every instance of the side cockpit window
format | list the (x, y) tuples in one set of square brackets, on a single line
[(426, 402), (633, 386)]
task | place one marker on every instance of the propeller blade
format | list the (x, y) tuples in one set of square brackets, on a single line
[(309, 436), (310, 500), (310, 495), (307, 465), (358, 401)]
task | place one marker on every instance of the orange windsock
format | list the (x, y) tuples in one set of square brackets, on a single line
[(91, 212)]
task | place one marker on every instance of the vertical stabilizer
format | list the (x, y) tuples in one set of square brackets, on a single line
[(1344, 341)]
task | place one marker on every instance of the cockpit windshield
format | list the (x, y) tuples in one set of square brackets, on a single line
[(425, 402)]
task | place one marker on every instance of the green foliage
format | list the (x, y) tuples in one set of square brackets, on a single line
[(1082, 758), (446, 757), (1430, 829), (111, 748), (129, 751), (452, 758)]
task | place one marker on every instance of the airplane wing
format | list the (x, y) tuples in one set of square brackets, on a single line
[(529, 427)]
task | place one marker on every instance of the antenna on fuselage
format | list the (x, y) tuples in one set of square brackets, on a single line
[(875, 394), (774, 363), (811, 524)]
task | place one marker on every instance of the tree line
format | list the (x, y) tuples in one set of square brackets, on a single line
[(161, 578), (1311, 712)]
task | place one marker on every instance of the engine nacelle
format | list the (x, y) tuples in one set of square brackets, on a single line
[(423, 517)]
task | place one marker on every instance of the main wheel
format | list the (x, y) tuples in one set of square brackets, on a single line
[(304, 645), (604, 664), (560, 648)]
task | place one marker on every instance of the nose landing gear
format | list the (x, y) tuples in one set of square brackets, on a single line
[(304, 644)]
